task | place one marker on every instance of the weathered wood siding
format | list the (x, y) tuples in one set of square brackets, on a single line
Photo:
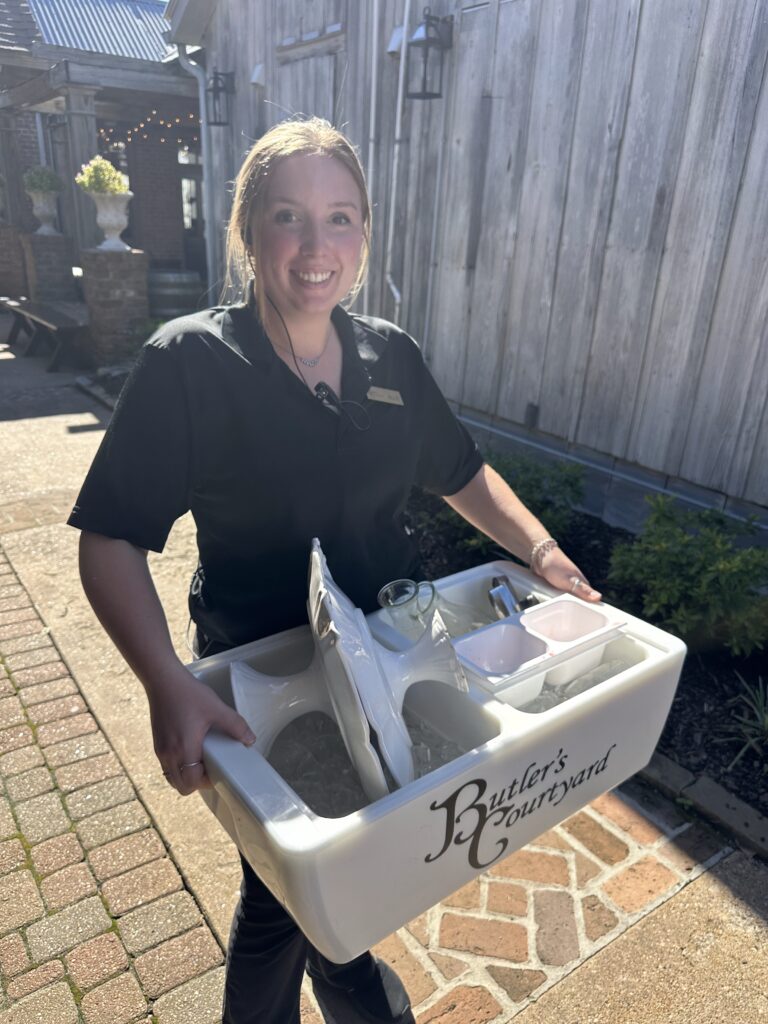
[(595, 178)]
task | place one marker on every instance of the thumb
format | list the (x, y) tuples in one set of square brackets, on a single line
[(234, 725)]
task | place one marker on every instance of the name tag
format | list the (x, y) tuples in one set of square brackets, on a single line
[(385, 395)]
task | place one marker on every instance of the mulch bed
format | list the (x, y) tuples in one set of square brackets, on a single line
[(694, 733)]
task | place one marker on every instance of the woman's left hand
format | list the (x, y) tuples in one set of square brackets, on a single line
[(558, 570)]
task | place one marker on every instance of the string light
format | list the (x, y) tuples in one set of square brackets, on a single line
[(117, 136)]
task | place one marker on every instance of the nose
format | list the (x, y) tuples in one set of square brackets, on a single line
[(313, 236)]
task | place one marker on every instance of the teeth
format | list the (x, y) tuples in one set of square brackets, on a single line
[(315, 278)]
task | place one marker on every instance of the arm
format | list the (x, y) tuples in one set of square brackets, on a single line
[(118, 584), (488, 503)]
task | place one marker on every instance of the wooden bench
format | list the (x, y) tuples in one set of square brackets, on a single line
[(53, 324)]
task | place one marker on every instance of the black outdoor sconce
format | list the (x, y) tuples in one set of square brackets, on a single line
[(426, 52), (221, 85)]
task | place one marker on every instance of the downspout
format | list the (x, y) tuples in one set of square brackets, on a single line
[(396, 162), (373, 121), (192, 68), (433, 240)]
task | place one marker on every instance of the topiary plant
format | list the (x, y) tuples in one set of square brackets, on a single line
[(42, 179), (693, 573), (100, 176)]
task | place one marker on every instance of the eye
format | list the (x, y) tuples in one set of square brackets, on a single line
[(285, 217), (340, 218)]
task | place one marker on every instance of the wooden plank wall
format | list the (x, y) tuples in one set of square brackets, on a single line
[(594, 177)]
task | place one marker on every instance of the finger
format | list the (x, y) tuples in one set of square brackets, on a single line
[(581, 588), (192, 776), (235, 725)]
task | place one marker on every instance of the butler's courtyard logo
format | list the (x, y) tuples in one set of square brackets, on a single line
[(479, 821)]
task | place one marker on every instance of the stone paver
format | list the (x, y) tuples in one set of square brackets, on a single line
[(163, 919), (36, 979), (95, 961), (55, 935), (65, 729), (506, 940), (11, 711), (11, 855), (56, 853), (640, 884), (557, 940), (68, 886), (42, 817), (80, 749), (52, 710), (20, 761), (463, 1005), (13, 955), (54, 1003), (16, 736), (7, 822), (47, 691), (20, 901), (112, 824), (32, 783), (84, 773), (177, 961), (115, 1002), (141, 885), (123, 854), (196, 1002), (99, 797)]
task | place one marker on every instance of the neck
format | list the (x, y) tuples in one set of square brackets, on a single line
[(308, 335)]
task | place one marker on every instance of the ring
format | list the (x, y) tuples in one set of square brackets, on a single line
[(166, 774), (192, 764), (575, 582)]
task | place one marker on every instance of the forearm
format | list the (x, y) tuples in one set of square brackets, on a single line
[(490, 505), (118, 584)]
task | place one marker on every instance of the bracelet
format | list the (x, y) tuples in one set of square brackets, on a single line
[(539, 549)]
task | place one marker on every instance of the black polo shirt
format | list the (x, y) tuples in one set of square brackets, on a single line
[(212, 421)]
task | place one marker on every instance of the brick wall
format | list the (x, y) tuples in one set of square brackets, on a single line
[(13, 277), (115, 290), (48, 261), (157, 224)]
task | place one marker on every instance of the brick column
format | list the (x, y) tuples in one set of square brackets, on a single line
[(48, 262), (13, 276), (115, 287)]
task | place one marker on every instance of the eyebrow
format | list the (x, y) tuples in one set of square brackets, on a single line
[(292, 202)]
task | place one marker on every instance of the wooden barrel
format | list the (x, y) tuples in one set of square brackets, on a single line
[(174, 293)]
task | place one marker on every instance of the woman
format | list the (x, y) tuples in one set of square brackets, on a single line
[(275, 421)]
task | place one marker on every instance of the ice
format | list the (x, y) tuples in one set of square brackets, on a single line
[(551, 696), (310, 755)]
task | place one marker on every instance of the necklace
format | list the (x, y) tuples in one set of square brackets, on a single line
[(307, 362)]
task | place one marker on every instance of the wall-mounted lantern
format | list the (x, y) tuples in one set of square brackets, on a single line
[(221, 85), (426, 52)]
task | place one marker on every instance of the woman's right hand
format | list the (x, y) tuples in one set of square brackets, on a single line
[(183, 710)]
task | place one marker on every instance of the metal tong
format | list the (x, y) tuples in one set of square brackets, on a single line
[(504, 598)]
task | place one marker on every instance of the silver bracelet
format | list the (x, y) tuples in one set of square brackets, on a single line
[(539, 550)]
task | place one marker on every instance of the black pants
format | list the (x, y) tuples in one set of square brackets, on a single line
[(267, 953), (267, 957)]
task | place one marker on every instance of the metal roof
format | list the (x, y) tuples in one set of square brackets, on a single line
[(18, 30), (123, 28)]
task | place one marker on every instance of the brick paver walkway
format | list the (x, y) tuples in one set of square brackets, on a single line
[(97, 926)]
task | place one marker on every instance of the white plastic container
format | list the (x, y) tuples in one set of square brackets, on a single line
[(350, 881)]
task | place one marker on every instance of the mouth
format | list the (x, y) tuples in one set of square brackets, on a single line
[(314, 278)]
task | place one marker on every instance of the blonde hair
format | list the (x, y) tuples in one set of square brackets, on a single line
[(312, 136)]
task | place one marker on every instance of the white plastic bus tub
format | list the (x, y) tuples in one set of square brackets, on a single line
[(350, 881)]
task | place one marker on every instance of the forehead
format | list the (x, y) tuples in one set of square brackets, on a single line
[(307, 177)]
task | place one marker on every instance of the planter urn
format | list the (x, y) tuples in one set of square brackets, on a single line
[(44, 208), (112, 218)]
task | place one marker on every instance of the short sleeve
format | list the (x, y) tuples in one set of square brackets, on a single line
[(449, 456), (139, 482)]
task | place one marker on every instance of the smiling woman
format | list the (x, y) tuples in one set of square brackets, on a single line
[(276, 420)]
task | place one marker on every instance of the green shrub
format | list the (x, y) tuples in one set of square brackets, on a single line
[(42, 179), (692, 573), (99, 175), (549, 489)]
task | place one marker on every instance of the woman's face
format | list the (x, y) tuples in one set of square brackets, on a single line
[(311, 235)]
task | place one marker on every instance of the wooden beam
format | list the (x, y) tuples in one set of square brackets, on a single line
[(168, 84)]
